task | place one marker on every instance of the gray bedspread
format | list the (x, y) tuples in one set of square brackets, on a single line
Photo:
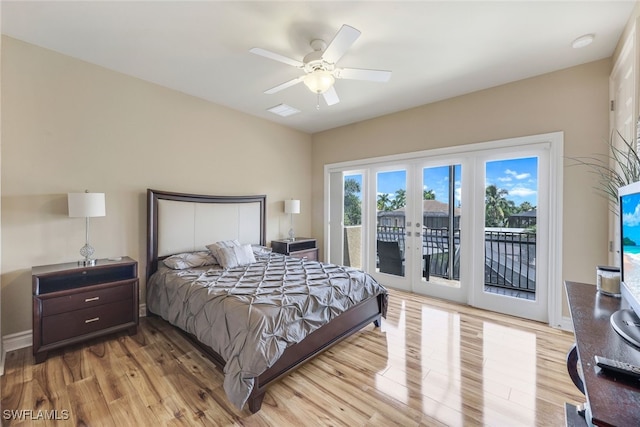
[(250, 315)]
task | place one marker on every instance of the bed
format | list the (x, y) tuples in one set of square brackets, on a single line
[(257, 320)]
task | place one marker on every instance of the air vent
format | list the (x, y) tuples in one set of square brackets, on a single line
[(284, 110)]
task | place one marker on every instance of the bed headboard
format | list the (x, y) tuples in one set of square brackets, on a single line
[(178, 222)]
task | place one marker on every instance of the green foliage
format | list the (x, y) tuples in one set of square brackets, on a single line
[(352, 203), (621, 166), (428, 195), (400, 200), (498, 208), (386, 203)]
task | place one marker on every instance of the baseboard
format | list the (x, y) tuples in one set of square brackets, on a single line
[(142, 311), (14, 342), (566, 324), (17, 341)]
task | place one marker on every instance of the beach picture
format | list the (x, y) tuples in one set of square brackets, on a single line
[(630, 235)]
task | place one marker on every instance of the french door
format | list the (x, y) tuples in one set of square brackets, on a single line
[(511, 270), (417, 244), (470, 226)]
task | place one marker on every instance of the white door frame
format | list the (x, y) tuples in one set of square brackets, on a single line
[(537, 309), (555, 143)]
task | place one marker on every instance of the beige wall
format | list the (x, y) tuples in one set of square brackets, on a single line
[(69, 126), (574, 100), (633, 20)]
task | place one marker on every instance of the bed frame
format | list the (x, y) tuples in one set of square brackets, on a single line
[(244, 218)]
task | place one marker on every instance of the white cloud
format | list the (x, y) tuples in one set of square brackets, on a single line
[(632, 219), (517, 175), (522, 192)]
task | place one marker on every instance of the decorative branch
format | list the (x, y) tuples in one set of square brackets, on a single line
[(614, 170)]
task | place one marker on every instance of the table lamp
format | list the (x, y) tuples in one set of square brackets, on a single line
[(292, 207), (86, 205)]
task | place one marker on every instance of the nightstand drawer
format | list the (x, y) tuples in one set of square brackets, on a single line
[(80, 322), (310, 254), (302, 247), (87, 299)]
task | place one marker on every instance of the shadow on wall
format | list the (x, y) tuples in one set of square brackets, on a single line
[(36, 230), (353, 246), (16, 298)]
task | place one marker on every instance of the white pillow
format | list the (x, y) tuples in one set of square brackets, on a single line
[(189, 260), (214, 247), (235, 256)]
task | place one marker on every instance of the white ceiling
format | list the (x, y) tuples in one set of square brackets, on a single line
[(436, 49)]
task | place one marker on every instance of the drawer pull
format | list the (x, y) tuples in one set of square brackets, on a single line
[(91, 299), (95, 319)]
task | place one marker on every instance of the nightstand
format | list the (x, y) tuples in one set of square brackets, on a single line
[(73, 303), (302, 247)]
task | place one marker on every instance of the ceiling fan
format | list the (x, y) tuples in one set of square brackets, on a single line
[(320, 66)]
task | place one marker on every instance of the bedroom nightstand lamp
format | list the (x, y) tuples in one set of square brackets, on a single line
[(86, 205), (292, 207)]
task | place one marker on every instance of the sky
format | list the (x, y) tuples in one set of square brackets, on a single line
[(518, 176), (631, 217)]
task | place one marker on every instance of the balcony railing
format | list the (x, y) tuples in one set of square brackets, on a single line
[(509, 255)]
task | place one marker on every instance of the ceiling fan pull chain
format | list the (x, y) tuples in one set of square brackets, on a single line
[(318, 101)]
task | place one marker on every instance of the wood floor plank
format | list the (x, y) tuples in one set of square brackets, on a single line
[(431, 363)]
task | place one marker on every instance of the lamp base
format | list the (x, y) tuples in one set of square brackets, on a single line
[(87, 262)]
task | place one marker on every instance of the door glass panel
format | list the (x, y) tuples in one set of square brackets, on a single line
[(441, 213), (352, 254), (391, 191), (511, 199)]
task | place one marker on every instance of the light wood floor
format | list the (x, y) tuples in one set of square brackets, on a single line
[(430, 364)]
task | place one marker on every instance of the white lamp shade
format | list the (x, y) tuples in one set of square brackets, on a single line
[(292, 206), (86, 204), (319, 81)]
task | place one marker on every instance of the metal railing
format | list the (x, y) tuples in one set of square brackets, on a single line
[(509, 256), (510, 259)]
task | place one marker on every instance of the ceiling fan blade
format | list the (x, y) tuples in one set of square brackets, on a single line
[(331, 96), (276, 57), (363, 74), (284, 85), (342, 41)]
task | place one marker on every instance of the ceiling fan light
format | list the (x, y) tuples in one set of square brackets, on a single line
[(319, 81)]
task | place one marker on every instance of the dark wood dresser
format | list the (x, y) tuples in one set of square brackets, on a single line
[(611, 400), (73, 303), (301, 247)]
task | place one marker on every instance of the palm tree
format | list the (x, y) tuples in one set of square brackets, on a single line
[(428, 195), (497, 207), (400, 199), (525, 207), (383, 202)]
